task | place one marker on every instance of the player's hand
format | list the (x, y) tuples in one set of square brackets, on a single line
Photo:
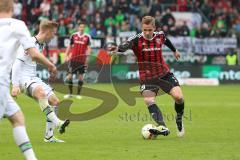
[(66, 59), (53, 72), (177, 55), (112, 48), (15, 91)]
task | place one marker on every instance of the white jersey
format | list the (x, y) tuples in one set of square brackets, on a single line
[(28, 67), (13, 34), (24, 72)]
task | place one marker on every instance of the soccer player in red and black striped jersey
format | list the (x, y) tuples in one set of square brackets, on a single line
[(77, 53), (154, 72)]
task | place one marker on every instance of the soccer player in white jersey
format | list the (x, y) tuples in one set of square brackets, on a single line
[(13, 34), (24, 78)]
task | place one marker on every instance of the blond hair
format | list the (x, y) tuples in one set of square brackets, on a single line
[(148, 20), (6, 5), (46, 25)]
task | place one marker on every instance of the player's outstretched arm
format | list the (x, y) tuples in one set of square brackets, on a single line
[(16, 76), (16, 72), (112, 48), (119, 49), (43, 60), (169, 44)]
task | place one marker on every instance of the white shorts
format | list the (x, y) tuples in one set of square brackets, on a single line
[(8, 106), (28, 85)]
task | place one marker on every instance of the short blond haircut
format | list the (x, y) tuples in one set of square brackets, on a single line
[(46, 25), (6, 5), (148, 20)]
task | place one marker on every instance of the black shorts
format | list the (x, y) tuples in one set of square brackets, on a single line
[(165, 83), (76, 67)]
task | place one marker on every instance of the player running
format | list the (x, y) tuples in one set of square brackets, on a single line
[(24, 77), (76, 55), (154, 72), (13, 34)]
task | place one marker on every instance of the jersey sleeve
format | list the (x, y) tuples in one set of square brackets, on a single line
[(162, 36), (169, 44), (16, 72), (166, 41), (129, 44), (71, 40), (22, 33)]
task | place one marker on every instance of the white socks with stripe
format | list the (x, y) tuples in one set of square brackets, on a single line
[(48, 110), (50, 125), (22, 140)]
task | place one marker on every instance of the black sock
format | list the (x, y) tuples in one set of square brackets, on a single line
[(80, 83), (179, 108), (156, 114), (70, 86)]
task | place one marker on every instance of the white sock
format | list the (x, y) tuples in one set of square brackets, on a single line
[(48, 110), (22, 140), (53, 118), (55, 110), (50, 125), (49, 129)]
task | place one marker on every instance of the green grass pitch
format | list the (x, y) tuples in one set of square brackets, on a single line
[(212, 123)]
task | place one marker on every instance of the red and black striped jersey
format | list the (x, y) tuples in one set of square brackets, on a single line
[(79, 45), (149, 55)]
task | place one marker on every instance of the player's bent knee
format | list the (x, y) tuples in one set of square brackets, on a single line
[(149, 100), (39, 93), (178, 98), (54, 102), (69, 77), (149, 97)]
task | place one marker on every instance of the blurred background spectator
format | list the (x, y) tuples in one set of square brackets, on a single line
[(231, 57), (108, 18), (221, 17)]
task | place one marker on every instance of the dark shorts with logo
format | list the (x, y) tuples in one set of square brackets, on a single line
[(76, 67), (165, 83)]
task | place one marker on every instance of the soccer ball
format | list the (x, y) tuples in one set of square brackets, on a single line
[(145, 131)]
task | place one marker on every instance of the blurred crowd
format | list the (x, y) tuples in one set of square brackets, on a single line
[(109, 17), (223, 16)]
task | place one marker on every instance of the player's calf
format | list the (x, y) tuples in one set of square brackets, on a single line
[(155, 112), (20, 135), (54, 102), (177, 95), (70, 86), (48, 110), (179, 108), (40, 95), (50, 126)]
